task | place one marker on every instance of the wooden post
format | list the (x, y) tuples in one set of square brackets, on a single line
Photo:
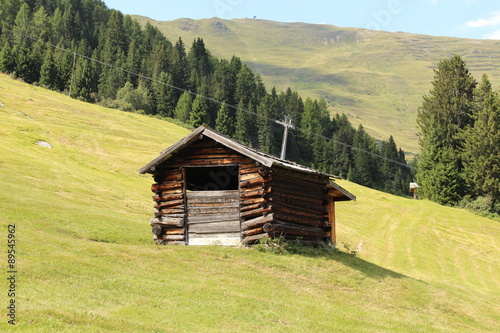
[(331, 219)]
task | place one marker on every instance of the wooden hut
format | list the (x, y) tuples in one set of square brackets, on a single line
[(211, 189)]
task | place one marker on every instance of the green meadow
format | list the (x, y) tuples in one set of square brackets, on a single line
[(86, 262)]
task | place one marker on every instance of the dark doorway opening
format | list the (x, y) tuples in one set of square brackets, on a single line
[(221, 178)]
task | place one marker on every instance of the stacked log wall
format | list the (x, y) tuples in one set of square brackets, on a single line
[(168, 225), (205, 152), (299, 208), (255, 208)]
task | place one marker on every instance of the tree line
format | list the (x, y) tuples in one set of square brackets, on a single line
[(459, 122), (99, 55)]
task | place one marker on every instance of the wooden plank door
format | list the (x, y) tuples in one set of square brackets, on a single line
[(213, 217)]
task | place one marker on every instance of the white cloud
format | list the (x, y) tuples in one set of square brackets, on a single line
[(492, 21), (493, 35)]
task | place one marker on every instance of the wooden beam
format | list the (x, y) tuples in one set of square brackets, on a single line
[(331, 220), (296, 230), (254, 238), (168, 221), (170, 203), (257, 222), (252, 232), (256, 212), (165, 186), (317, 222), (159, 198)]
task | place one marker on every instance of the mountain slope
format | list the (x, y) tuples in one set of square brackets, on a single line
[(377, 78), (86, 261)]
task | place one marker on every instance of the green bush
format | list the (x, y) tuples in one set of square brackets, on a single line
[(482, 205)]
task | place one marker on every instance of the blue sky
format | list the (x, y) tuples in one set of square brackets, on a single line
[(477, 19)]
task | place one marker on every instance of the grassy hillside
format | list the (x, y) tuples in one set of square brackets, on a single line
[(377, 78), (86, 262)]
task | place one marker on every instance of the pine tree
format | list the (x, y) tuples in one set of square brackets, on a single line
[(158, 58), (264, 129), (243, 128), (113, 53), (41, 24), (362, 159), (84, 81), (183, 108), (224, 124), (199, 113), (388, 165), (25, 68), (199, 61), (64, 66), (245, 86), (48, 71), (165, 95), (7, 60), (133, 63), (71, 23), (342, 140), (178, 69), (294, 108), (315, 122), (482, 144), (443, 116), (84, 77), (223, 83)]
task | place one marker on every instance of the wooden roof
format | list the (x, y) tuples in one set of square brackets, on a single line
[(338, 193), (258, 156)]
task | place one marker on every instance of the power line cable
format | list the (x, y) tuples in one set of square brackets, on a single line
[(74, 53)]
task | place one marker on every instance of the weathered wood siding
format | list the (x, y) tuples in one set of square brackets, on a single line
[(205, 152), (284, 204), (213, 217), (255, 209), (299, 207), (168, 224), (204, 217)]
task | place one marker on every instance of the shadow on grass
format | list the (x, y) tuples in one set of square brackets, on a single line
[(369, 269), (346, 258)]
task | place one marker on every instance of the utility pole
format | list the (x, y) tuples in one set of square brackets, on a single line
[(287, 124)]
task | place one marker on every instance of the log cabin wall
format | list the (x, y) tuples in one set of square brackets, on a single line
[(206, 196), (300, 208), (268, 203), (280, 203), (255, 209), (168, 223), (299, 205)]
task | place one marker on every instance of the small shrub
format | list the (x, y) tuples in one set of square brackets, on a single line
[(278, 245), (483, 206)]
